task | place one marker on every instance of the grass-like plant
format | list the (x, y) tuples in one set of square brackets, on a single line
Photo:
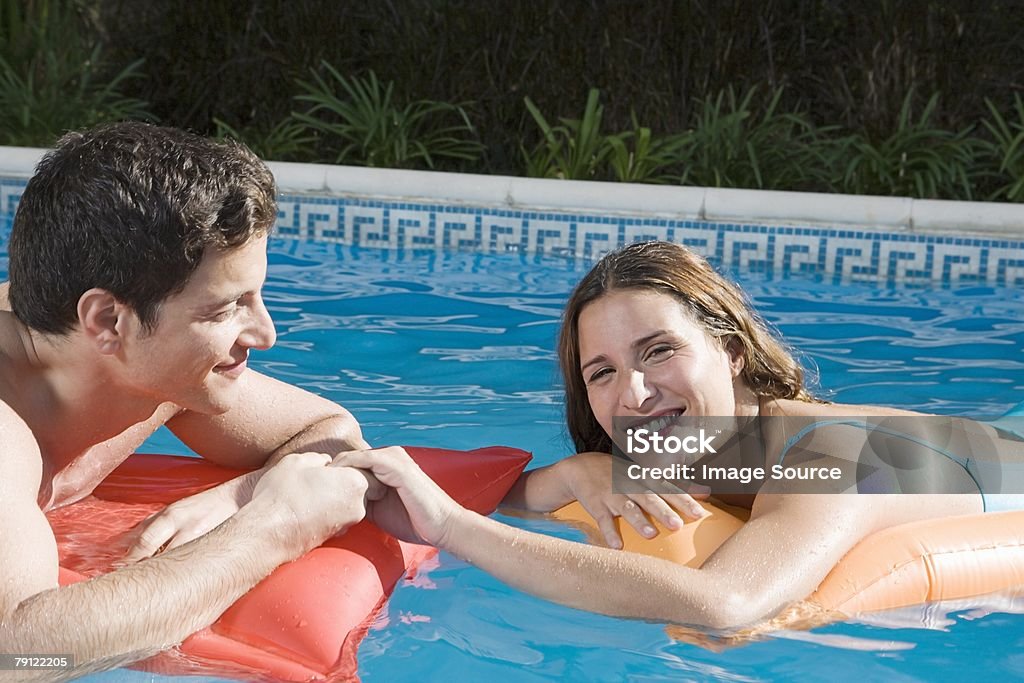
[(52, 75), (638, 156), (917, 159), (358, 121), (737, 142), (289, 140), (577, 149), (573, 150), (1007, 150)]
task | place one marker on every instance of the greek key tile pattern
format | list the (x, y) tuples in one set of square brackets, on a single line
[(843, 253)]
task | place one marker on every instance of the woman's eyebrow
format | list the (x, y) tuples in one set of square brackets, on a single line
[(642, 341), (600, 358)]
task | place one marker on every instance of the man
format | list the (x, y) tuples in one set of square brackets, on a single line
[(137, 257)]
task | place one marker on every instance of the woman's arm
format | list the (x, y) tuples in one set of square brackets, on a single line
[(780, 556), (790, 544)]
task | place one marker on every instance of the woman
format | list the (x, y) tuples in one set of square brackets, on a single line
[(653, 335)]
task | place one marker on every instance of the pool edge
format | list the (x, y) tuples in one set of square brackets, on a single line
[(722, 205)]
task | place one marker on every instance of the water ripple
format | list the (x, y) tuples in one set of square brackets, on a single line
[(492, 353)]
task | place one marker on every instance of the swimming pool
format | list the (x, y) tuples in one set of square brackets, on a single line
[(438, 329), (450, 348), (474, 365)]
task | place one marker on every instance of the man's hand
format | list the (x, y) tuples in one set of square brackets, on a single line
[(313, 499), (189, 518)]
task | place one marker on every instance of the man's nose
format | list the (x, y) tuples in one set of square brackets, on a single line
[(260, 333)]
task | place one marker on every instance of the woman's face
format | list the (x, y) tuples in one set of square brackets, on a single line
[(643, 358)]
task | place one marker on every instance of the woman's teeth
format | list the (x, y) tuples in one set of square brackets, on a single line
[(659, 423)]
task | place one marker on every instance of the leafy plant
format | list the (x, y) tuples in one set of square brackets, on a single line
[(288, 140), (647, 159), (576, 149), (916, 159), (357, 121), (573, 150), (52, 75), (730, 145), (1007, 150)]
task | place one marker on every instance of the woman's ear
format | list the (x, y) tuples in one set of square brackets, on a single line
[(99, 313), (737, 355)]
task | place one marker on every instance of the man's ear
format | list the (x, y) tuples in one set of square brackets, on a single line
[(100, 316)]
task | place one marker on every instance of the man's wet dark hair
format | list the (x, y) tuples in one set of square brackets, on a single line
[(130, 208)]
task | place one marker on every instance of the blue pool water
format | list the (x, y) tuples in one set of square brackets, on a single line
[(456, 350)]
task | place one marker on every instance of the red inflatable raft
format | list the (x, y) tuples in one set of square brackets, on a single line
[(304, 621)]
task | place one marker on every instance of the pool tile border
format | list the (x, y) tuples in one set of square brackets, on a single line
[(853, 254), (846, 252)]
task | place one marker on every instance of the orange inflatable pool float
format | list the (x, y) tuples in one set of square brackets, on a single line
[(937, 559), (304, 621), (950, 558)]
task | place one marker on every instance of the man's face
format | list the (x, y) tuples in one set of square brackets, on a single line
[(196, 356)]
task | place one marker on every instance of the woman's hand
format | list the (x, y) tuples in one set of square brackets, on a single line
[(587, 477), (413, 507), (189, 518)]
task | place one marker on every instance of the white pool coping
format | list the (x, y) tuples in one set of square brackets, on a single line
[(894, 214)]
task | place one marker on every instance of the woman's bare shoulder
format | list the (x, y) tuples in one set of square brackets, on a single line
[(791, 408)]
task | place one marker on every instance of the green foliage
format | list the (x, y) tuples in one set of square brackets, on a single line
[(573, 150), (52, 75), (289, 140), (743, 142), (638, 156), (237, 60), (854, 115), (916, 159), (577, 149), (1006, 151), (357, 121), (731, 145)]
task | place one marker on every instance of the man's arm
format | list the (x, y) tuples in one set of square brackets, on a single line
[(136, 611), (271, 420)]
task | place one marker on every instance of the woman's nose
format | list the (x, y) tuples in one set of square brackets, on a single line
[(636, 390)]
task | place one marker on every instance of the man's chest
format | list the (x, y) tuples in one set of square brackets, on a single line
[(73, 468)]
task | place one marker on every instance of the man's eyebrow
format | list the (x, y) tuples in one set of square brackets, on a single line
[(220, 302), (642, 341)]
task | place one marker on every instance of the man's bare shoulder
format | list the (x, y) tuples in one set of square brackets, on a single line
[(19, 456), (14, 429), (12, 355), (11, 348)]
